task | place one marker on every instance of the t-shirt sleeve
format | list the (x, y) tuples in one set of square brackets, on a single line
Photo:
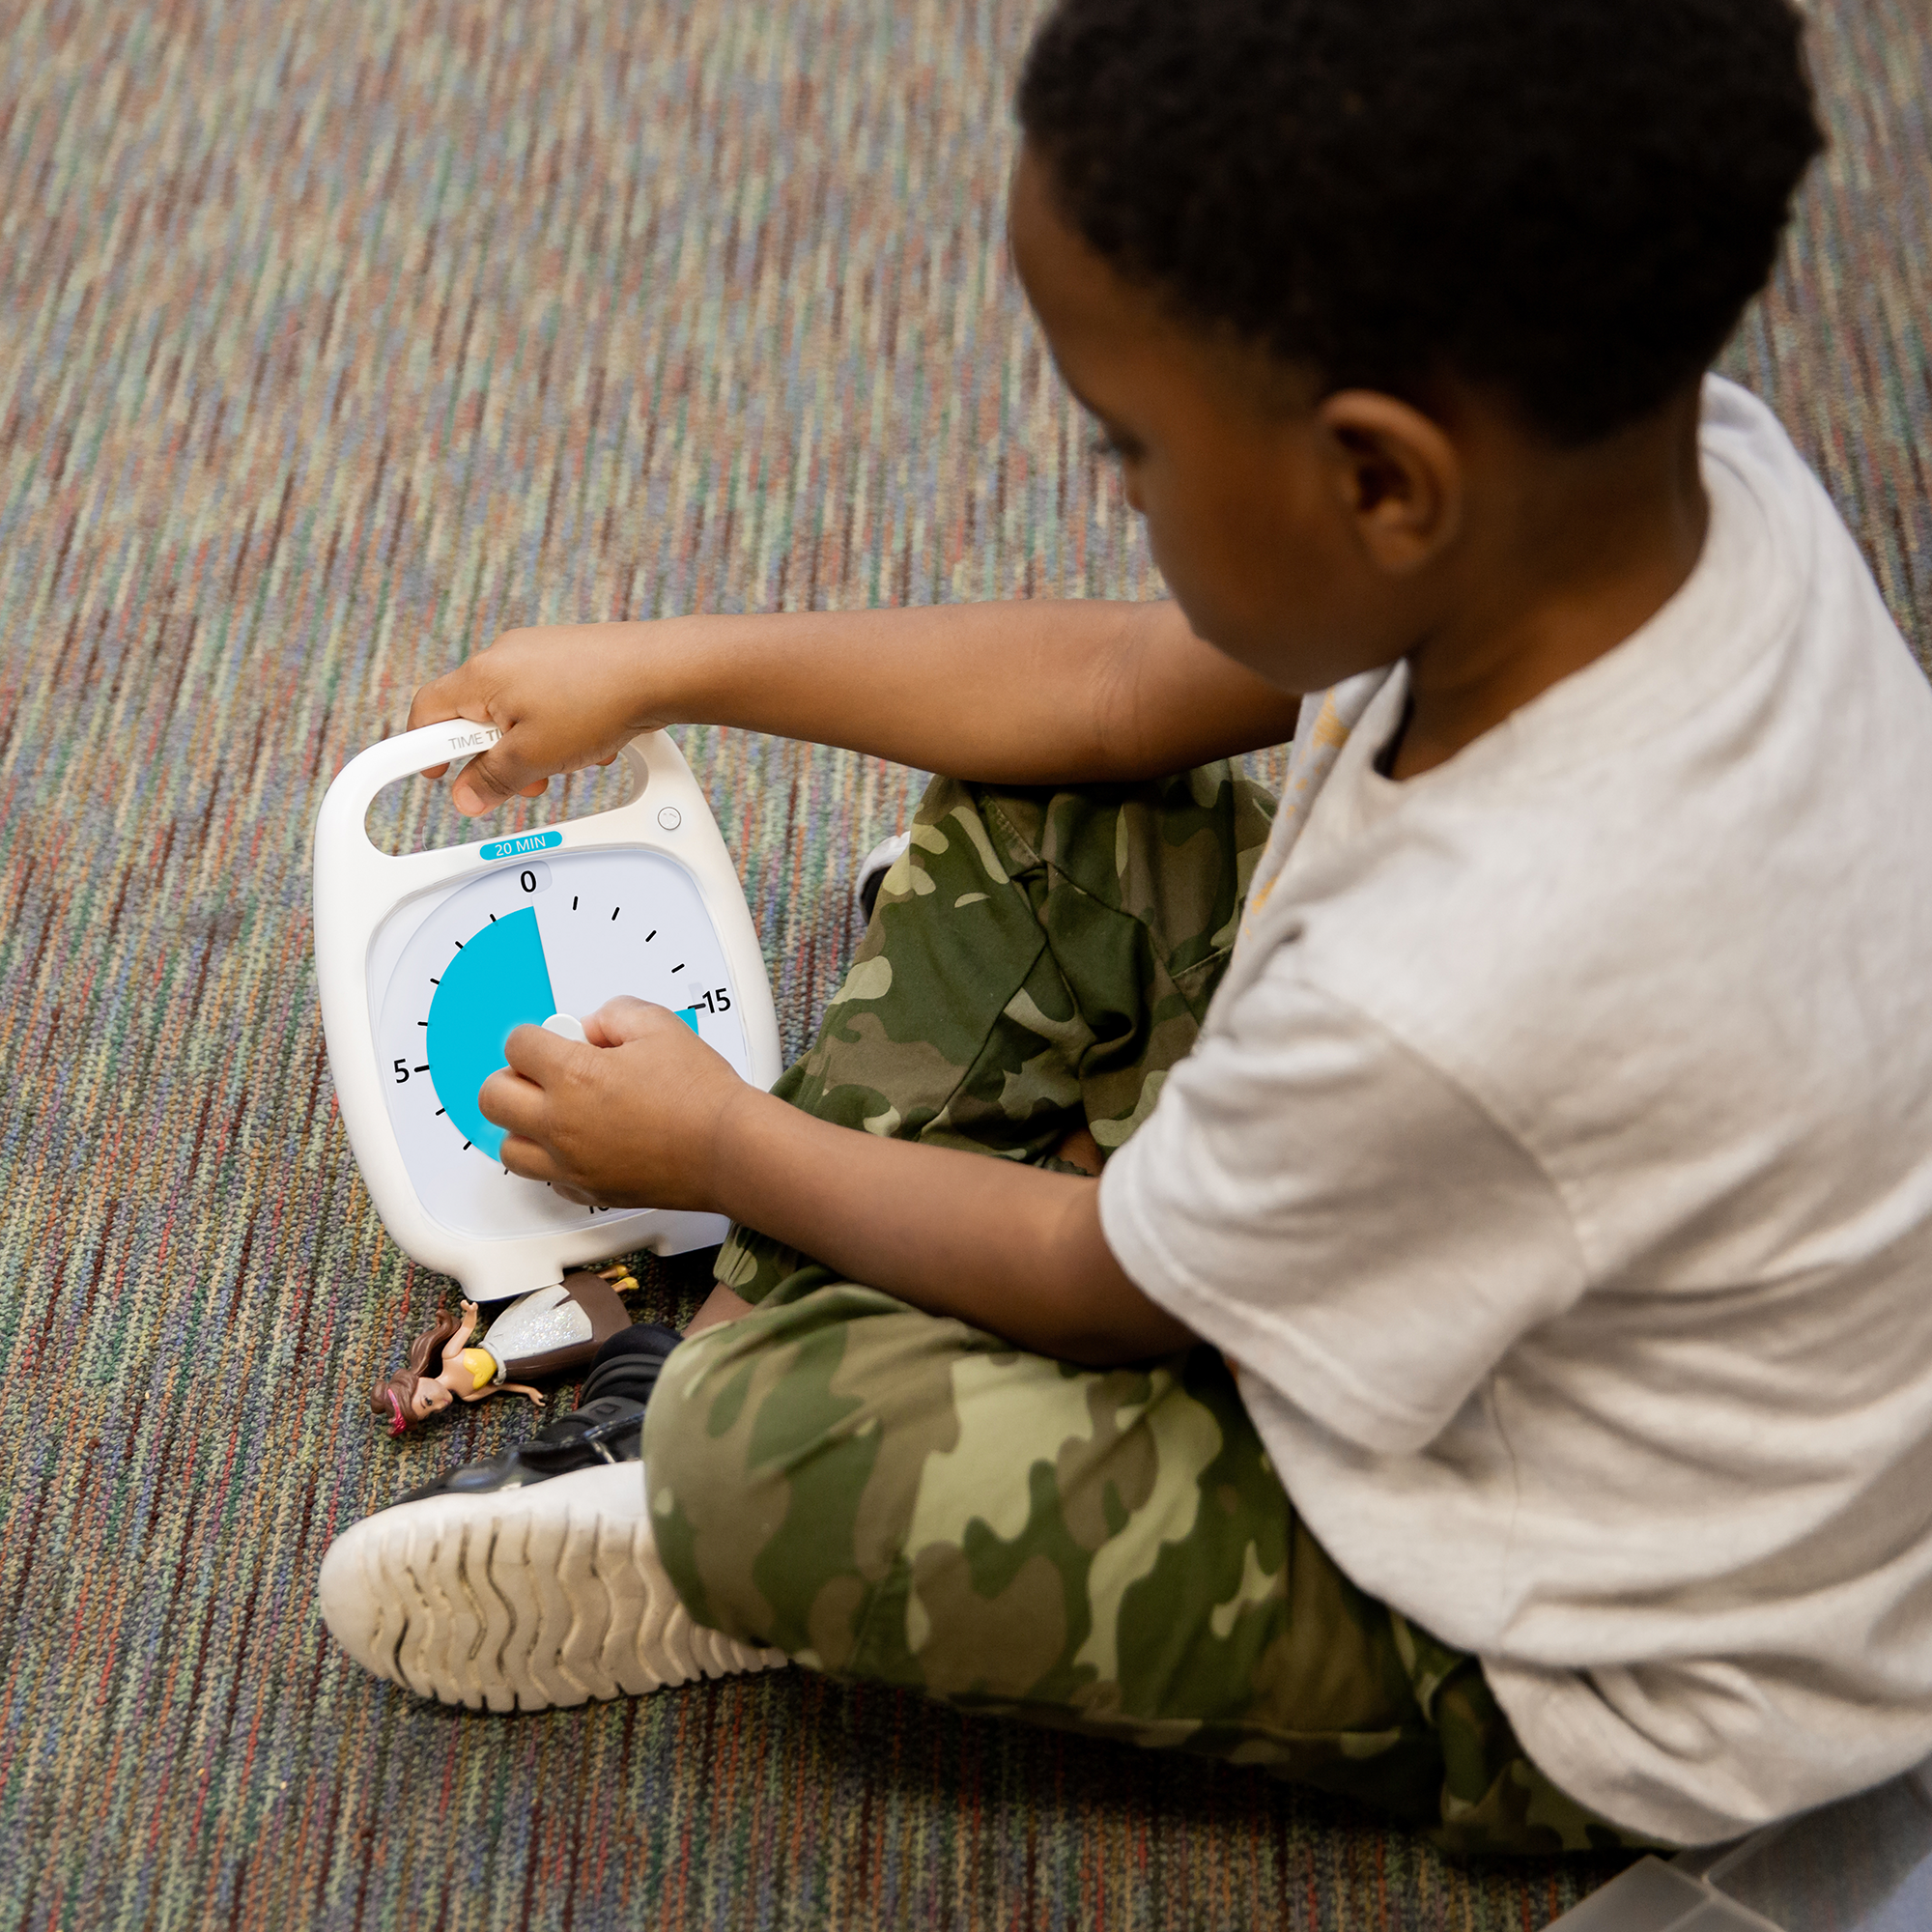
[(1321, 1202)]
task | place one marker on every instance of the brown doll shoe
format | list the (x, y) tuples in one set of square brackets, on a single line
[(526, 1581)]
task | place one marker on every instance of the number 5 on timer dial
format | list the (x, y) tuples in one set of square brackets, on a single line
[(427, 962)]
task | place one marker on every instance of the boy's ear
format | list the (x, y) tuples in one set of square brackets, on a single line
[(1398, 477)]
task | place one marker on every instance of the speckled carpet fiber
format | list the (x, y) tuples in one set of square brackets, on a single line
[(333, 339)]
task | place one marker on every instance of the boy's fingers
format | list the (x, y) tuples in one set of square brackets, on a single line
[(509, 1100), (534, 1162), (436, 703), (443, 697), (502, 772), (542, 1058), (485, 781), (618, 1020)]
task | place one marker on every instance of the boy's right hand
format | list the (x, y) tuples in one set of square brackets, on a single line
[(564, 695)]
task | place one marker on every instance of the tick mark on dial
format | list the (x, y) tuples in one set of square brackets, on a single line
[(419, 1069), (679, 967), (422, 1023), (458, 946), (493, 919), (466, 1147), (438, 1115), (651, 935), (616, 910), (434, 981), (573, 905)]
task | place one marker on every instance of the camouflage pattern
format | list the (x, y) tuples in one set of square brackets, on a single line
[(897, 1498), (1038, 960)]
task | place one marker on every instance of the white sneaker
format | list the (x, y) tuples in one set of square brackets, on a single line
[(873, 867), (546, 1591)]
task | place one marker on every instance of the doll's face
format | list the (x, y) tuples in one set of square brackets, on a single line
[(428, 1398)]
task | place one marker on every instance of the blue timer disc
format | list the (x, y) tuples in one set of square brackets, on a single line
[(497, 981)]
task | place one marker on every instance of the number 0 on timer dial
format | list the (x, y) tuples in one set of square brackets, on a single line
[(533, 938)]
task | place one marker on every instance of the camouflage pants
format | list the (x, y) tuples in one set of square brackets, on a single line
[(897, 1498)]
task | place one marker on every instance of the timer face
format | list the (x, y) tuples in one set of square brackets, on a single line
[(451, 975)]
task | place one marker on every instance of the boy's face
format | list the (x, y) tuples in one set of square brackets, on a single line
[(1251, 508)]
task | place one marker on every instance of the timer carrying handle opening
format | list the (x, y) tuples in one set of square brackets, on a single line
[(345, 809)]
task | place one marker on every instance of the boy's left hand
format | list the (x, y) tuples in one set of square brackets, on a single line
[(629, 1120)]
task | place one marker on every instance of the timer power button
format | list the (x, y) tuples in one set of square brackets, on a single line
[(670, 818)]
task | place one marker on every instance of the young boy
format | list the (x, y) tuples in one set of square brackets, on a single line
[(1491, 1373)]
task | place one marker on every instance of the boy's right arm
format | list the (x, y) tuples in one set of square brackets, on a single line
[(1028, 692)]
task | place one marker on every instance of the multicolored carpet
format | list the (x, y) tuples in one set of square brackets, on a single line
[(335, 340)]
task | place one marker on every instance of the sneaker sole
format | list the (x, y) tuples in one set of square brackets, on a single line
[(521, 1599)]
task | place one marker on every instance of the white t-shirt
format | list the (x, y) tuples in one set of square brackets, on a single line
[(1556, 1162)]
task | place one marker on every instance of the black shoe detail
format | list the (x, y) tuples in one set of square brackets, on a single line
[(628, 1363), (608, 1430)]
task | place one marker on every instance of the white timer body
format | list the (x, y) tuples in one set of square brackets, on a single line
[(425, 961)]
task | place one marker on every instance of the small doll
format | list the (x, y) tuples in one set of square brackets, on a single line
[(550, 1331)]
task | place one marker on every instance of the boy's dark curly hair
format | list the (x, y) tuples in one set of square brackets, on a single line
[(1570, 200)]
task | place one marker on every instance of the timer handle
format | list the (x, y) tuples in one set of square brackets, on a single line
[(343, 821), (345, 809), (652, 758)]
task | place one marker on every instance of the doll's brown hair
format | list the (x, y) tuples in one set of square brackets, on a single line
[(389, 1401)]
